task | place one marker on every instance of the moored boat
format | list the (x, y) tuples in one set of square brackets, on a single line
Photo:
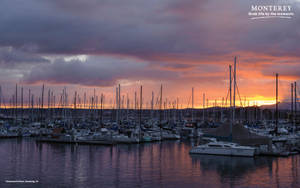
[(223, 148)]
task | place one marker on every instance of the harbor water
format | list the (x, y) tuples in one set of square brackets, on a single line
[(159, 164)]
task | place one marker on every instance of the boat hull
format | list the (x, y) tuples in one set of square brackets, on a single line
[(224, 151)]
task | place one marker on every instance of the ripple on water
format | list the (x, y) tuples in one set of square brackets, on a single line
[(166, 164)]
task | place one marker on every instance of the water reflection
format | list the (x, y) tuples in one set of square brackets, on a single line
[(166, 164), (227, 166)]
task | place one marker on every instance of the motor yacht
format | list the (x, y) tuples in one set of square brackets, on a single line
[(223, 148)]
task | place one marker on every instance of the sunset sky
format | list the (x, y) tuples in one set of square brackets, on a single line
[(98, 44)]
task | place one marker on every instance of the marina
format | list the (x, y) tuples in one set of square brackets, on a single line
[(236, 130), (258, 135)]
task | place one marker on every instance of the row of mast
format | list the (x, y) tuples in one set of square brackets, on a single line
[(63, 102)]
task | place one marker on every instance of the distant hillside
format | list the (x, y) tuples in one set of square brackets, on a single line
[(281, 106)]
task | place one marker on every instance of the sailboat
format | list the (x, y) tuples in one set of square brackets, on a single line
[(226, 148), (223, 148)]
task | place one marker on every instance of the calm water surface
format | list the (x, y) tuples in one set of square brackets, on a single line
[(165, 164)]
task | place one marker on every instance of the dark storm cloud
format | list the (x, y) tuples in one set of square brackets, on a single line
[(10, 57), (146, 29), (94, 71)]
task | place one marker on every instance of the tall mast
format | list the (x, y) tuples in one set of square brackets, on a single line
[(230, 83), (160, 105), (16, 96), (152, 101), (192, 104), (234, 89), (117, 105), (295, 100), (29, 96), (177, 108), (21, 97), (203, 112), (75, 99), (152, 104), (42, 103), (84, 100), (16, 103), (292, 101), (32, 105), (101, 106), (222, 106), (141, 105), (43, 96), (276, 112), (94, 100), (0, 96), (21, 105), (135, 103), (127, 108), (119, 97), (49, 100)]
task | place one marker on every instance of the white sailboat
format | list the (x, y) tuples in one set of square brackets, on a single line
[(226, 148), (223, 148)]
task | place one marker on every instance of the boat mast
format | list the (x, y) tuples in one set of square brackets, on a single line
[(42, 101), (29, 96), (141, 106), (117, 105), (230, 83), (32, 105), (127, 110), (43, 88), (292, 102), (101, 106), (215, 110), (152, 104), (192, 104), (135, 103), (49, 98), (295, 101), (84, 100), (222, 106), (234, 89), (160, 105), (16, 104), (0, 96), (75, 99), (21, 105), (276, 112), (203, 112), (177, 107)]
